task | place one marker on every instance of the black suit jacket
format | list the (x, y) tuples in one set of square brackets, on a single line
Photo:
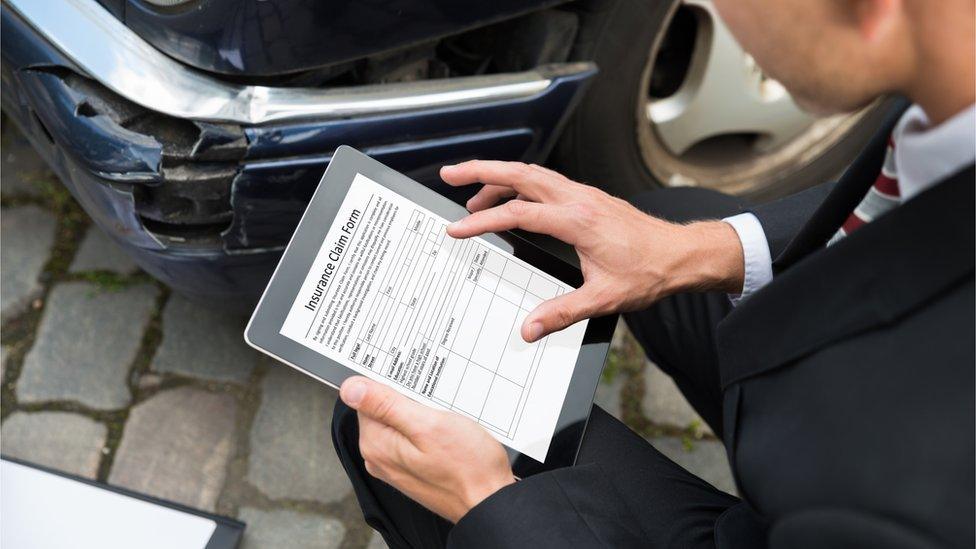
[(848, 381)]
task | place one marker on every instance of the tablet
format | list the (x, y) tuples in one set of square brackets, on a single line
[(371, 284), (44, 508)]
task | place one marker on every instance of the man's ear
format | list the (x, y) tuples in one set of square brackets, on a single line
[(877, 20)]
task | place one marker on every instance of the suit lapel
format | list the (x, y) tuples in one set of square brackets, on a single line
[(846, 195), (872, 277)]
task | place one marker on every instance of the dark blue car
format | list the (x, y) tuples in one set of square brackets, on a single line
[(194, 131)]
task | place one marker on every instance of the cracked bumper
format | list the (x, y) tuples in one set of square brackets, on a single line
[(206, 206)]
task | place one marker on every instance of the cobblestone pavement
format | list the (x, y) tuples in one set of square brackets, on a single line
[(108, 375)]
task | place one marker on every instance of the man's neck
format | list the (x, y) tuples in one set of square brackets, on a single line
[(939, 110), (944, 89)]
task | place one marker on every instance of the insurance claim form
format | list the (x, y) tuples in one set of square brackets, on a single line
[(391, 296)]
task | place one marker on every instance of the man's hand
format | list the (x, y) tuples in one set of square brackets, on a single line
[(442, 460), (629, 259)]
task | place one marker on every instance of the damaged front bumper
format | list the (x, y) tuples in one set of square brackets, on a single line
[(206, 194)]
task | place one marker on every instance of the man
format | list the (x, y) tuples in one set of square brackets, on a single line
[(827, 338)]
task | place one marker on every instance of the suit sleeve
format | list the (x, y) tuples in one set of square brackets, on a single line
[(847, 529), (782, 219), (766, 230), (573, 507)]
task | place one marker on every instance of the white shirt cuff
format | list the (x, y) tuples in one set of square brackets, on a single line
[(755, 249)]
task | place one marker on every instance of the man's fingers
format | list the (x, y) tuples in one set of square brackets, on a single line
[(488, 196), (563, 311), (546, 170), (384, 405), (534, 217), (535, 184)]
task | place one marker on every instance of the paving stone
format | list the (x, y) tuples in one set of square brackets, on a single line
[(620, 335), (99, 253), (376, 542), (706, 458), (608, 392), (26, 238), (176, 446), (664, 403), (291, 444), (61, 440), (85, 345), (292, 529), (21, 167), (201, 342), (608, 395)]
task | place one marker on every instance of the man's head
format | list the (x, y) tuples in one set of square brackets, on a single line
[(838, 55)]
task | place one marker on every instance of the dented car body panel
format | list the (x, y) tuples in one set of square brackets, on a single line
[(207, 207)]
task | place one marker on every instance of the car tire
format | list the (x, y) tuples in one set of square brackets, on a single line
[(600, 143)]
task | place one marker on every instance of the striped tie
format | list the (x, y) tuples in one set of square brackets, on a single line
[(881, 198)]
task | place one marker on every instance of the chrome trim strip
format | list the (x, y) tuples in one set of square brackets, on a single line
[(131, 67)]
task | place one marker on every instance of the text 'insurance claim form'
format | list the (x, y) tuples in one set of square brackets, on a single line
[(393, 297)]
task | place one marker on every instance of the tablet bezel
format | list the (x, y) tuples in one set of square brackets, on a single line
[(262, 331)]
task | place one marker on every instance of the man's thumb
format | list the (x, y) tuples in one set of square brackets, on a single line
[(383, 404)]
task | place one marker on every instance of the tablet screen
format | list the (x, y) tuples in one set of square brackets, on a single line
[(391, 296)]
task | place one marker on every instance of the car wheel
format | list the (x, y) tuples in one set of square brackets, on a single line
[(679, 103)]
